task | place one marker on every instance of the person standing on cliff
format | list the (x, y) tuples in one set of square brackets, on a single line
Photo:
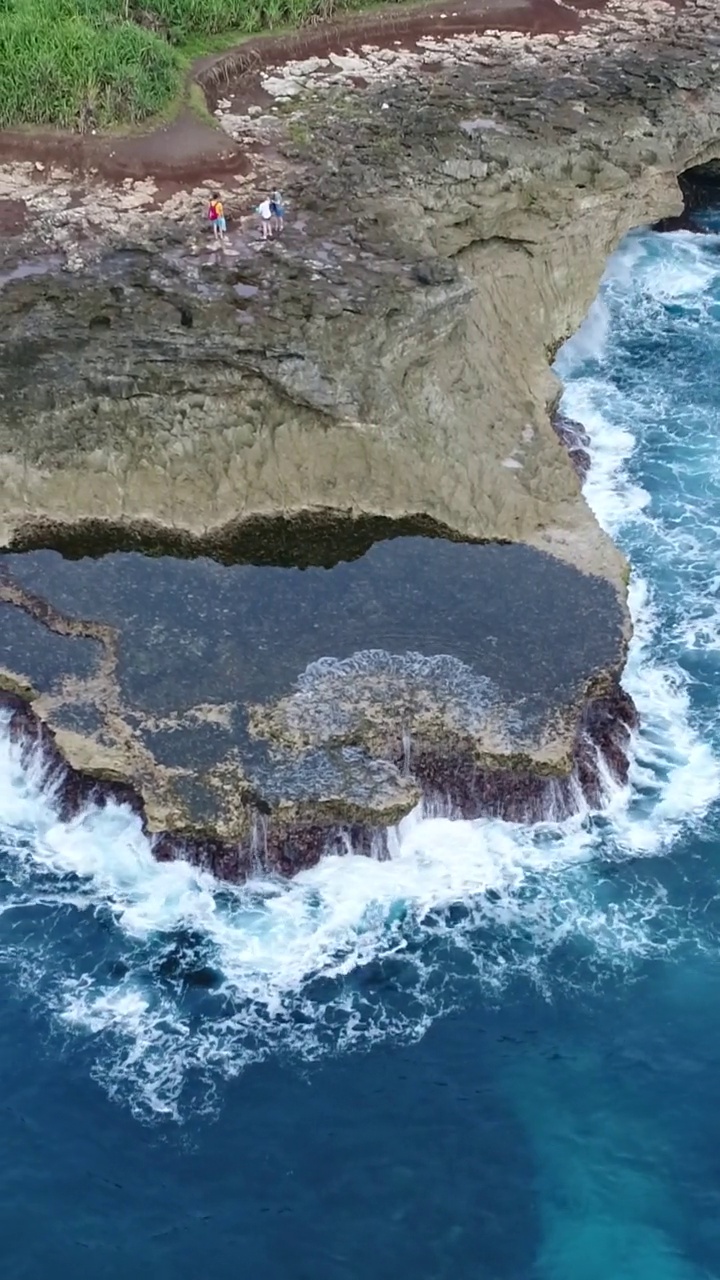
[(216, 216), (266, 217), (278, 213)]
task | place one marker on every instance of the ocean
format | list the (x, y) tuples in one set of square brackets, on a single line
[(495, 1056)]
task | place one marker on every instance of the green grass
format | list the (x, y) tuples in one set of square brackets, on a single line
[(68, 71), (95, 64)]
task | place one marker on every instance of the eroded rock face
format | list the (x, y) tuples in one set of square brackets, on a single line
[(383, 369), (452, 785)]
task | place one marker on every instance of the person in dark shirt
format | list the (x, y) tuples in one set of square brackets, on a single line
[(277, 210)]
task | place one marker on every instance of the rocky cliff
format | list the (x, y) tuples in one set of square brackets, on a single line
[(380, 373)]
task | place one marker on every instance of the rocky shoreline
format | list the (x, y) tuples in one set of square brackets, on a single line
[(362, 415), (450, 787)]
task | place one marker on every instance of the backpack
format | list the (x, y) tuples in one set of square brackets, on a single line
[(212, 211)]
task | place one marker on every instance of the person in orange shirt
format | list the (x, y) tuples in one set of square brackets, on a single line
[(216, 215)]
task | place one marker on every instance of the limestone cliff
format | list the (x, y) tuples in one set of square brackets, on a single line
[(387, 361)]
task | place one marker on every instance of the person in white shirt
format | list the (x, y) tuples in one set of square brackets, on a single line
[(265, 212)]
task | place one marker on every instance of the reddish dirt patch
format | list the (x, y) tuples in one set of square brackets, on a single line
[(13, 217), (177, 152)]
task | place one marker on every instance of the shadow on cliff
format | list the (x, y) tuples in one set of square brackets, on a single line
[(700, 187), (320, 539)]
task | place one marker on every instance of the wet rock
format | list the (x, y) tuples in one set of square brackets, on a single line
[(74, 790), (576, 441), (453, 785)]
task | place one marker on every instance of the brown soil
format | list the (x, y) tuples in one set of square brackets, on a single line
[(13, 217), (182, 149), (189, 150)]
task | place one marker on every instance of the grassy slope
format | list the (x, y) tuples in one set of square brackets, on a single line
[(84, 64)]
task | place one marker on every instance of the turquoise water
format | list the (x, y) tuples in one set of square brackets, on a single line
[(496, 1055)]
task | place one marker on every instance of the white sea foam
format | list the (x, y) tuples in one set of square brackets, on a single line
[(172, 982)]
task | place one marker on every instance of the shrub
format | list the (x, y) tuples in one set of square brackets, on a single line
[(78, 71)]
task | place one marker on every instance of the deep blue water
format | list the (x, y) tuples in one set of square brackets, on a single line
[(383, 1069)]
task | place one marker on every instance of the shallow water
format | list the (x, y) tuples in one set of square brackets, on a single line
[(493, 1056), (197, 632)]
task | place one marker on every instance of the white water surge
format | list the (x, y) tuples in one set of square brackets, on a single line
[(169, 982)]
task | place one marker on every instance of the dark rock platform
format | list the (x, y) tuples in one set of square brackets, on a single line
[(266, 711)]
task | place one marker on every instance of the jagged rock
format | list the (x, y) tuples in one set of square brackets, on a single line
[(576, 440), (435, 271)]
